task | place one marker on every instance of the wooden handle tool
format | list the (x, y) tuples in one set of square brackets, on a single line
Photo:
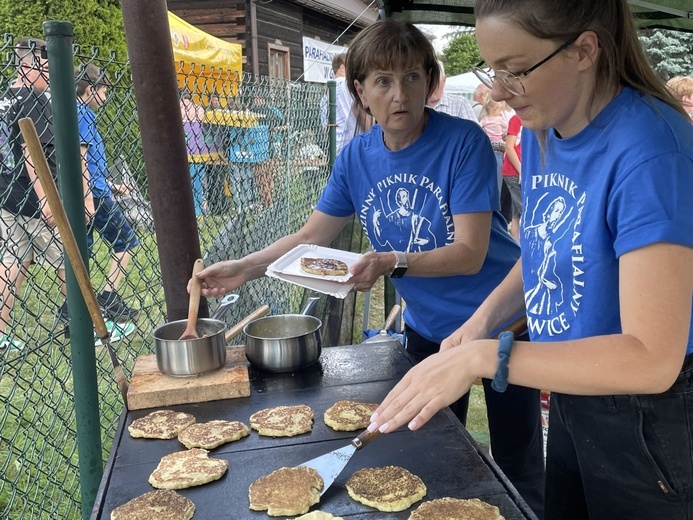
[(190, 331), (238, 327), (38, 158)]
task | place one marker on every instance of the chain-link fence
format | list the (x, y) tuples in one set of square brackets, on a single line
[(258, 161)]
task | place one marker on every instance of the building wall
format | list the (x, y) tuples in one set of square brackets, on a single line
[(224, 19), (278, 22)]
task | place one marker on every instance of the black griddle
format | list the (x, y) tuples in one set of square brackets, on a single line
[(441, 453)]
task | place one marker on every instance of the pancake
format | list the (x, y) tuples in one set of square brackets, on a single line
[(286, 491), (186, 469), (162, 504), (211, 434), (319, 515), (456, 509), (324, 266), (390, 488), (162, 424), (349, 415), (283, 421)]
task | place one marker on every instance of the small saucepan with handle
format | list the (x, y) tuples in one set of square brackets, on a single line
[(284, 342), (195, 356)]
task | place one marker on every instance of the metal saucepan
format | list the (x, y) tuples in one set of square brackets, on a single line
[(285, 342), (191, 357)]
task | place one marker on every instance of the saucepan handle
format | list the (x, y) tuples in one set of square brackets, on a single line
[(224, 306), (238, 327), (310, 306)]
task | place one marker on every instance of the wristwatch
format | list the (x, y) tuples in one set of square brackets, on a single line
[(400, 266)]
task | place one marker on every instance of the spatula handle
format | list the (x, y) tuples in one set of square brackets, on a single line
[(517, 327), (394, 312), (363, 439)]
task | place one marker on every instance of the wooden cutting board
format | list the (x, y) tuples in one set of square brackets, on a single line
[(149, 388)]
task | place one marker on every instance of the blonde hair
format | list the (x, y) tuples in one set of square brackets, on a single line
[(492, 107), (681, 86)]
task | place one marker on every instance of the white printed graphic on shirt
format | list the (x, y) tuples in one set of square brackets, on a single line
[(397, 214), (551, 233)]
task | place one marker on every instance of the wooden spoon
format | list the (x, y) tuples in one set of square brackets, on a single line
[(190, 331)]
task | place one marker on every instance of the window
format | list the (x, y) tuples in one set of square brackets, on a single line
[(278, 59)]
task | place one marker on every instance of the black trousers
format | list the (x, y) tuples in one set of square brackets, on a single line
[(514, 423), (622, 456)]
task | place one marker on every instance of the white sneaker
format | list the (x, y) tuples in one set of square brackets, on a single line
[(117, 331), (7, 342)]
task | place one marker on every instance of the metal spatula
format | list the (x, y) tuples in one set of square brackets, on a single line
[(330, 465)]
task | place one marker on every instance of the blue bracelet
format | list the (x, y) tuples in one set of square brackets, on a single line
[(500, 380)]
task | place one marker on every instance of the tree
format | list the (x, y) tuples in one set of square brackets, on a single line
[(668, 51), (96, 22), (461, 54)]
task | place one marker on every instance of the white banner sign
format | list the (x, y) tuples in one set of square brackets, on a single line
[(317, 60)]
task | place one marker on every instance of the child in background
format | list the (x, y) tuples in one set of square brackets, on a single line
[(682, 88), (495, 124)]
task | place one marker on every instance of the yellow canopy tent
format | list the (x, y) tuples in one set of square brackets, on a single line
[(204, 64)]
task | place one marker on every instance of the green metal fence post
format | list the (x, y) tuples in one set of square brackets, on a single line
[(59, 36), (332, 119)]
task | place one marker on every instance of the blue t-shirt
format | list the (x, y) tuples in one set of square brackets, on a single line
[(623, 183), (405, 201), (96, 151)]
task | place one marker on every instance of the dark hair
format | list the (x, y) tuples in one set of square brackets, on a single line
[(28, 49), (622, 61), (90, 74), (337, 61), (386, 45)]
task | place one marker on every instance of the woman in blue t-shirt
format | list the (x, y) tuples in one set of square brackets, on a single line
[(424, 187), (606, 274)]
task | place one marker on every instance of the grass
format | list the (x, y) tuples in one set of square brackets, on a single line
[(39, 475), (477, 422)]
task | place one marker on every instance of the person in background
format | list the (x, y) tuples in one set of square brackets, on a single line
[(350, 119), (481, 92), (214, 102), (512, 170), (424, 187), (26, 220), (682, 88), (338, 71), (494, 123), (268, 137), (606, 275), (108, 219), (193, 115), (454, 105)]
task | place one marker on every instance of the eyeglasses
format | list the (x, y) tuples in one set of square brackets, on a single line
[(513, 82)]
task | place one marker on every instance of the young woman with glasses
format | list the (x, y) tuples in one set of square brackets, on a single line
[(606, 273)]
